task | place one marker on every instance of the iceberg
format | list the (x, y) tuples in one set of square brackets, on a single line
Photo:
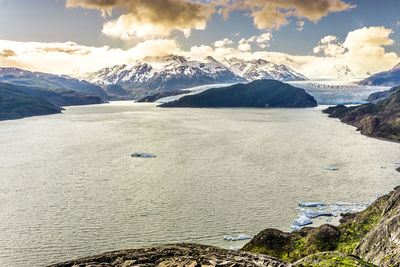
[(239, 237), (314, 214), (302, 221), (143, 155)]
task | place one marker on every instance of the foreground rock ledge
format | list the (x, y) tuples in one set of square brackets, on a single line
[(177, 255)]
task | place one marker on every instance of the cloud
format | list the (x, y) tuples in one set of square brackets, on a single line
[(155, 18), (329, 46), (222, 43), (275, 13), (300, 25), (362, 51), (261, 41), (244, 47), (69, 57), (149, 18), (7, 53)]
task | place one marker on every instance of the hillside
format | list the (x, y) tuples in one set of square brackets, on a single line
[(20, 101), (385, 78), (49, 81), (381, 120), (16, 104), (260, 93)]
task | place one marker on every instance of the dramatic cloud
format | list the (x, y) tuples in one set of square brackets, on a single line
[(274, 13), (70, 58), (155, 18), (149, 18), (362, 51)]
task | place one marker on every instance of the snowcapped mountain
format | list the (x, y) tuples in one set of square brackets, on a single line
[(343, 72), (165, 73), (385, 78), (154, 74), (262, 69), (48, 81)]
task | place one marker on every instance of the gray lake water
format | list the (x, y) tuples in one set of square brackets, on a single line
[(69, 187)]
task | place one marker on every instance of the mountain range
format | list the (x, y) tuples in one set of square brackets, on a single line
[(156, 74), (49, 81), (385, 78)]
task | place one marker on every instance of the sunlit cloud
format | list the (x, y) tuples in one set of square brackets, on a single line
[(150, 18), (362, 51), (222, 43), (155, 18), (275, 13), (71, 58)]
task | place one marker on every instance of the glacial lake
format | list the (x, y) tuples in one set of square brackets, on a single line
[(70, 188)]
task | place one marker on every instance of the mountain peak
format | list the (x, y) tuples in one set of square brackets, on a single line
[(397, 67)]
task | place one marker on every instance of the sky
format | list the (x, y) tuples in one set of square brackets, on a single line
[(311, 36)]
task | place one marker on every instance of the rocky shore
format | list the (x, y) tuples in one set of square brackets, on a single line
[(380, 120), (177, 255)]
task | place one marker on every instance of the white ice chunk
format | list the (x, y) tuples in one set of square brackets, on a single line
[(302, 221)]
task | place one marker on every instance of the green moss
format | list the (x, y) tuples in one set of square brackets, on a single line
[(333, 259), (299, 244)]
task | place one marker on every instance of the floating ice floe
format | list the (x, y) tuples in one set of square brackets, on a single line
[(302, 221), (143, 155), (335, 207), (310, 204), (239, 237), (331, 169)]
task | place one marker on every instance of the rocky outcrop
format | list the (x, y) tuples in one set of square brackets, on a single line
[(259, 94), (177, 255), (155, 97), (308, 241), (381, 120), (381, 246)]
